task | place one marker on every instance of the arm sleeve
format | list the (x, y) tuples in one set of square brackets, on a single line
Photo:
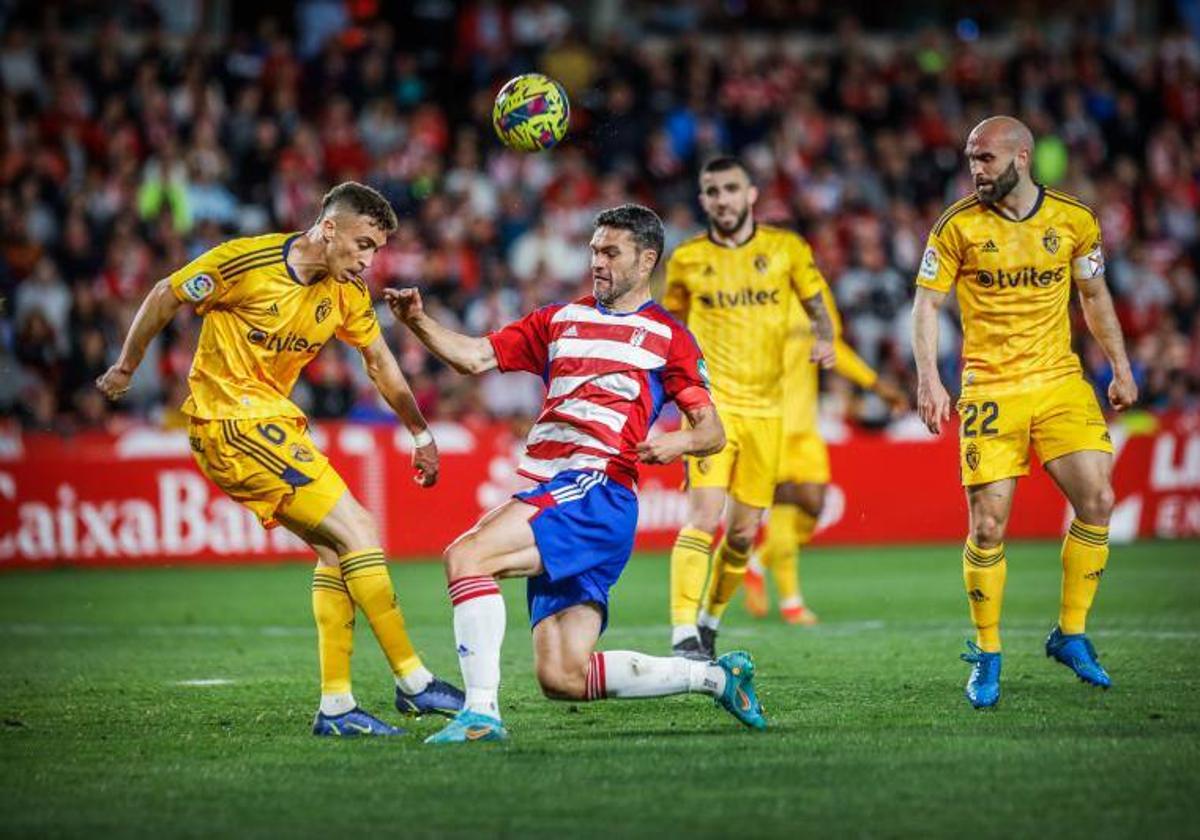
[(524, 344), (201, 282), (685, 375), (806, 277), (1087, 260), (941, 260), (359, 326), (676, 297)]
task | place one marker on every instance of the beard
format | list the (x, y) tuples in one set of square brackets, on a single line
[(741, 220), (999, 188), (615, 288)]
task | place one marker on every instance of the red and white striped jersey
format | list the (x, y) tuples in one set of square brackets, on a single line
[(607, 375)]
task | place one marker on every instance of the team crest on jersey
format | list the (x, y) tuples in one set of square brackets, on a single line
[(703, 465), (761, 263), (323, 309), (1050, 240), (639, 335), (198, 288), (301, 453), (971, 456)]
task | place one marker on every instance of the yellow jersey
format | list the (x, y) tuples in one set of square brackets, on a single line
[(1014, 285), (736, 301), (262, 326), (802, 378)]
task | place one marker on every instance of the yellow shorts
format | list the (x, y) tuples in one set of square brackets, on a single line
[(746, 467), (805, 459), (995, 432), (269, 465)]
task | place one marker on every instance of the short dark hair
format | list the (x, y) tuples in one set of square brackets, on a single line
[(720, 163), (641, 222), (362, 200)]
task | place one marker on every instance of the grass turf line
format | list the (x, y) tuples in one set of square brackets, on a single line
[(869, 731)]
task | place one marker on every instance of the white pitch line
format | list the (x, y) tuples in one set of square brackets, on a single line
[(205, 683)]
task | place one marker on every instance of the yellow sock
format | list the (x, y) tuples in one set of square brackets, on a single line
[(729, 567), (1084, 556), (334, 611), (366, 575), (689, 568), (984, 570)]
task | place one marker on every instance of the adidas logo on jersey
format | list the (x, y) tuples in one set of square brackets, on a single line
[(273, 310), (989, 247), (570, 332)]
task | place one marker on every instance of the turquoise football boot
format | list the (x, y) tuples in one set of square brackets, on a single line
[(1076, 652), (983, 686), (469, 726), (739, 698)]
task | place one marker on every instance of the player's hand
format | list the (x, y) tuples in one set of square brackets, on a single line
[(406, 304), (822, 354), (114, 382), (425, 464), (662, 449), (933, 404), (1122, 391), (891, 393)]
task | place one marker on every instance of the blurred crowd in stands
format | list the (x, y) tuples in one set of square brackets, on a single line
[(133, 142)]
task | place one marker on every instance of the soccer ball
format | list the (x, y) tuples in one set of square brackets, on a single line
[(531, 113)]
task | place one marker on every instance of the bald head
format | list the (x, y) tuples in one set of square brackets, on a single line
[(999, 151)]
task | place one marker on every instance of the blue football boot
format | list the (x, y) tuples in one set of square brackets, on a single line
[(353, 723), (438, 698), (983, 686), (1076, 652), (739, 698), (470, 726)]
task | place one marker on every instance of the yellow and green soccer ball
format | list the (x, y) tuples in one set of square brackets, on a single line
[(531, 113)]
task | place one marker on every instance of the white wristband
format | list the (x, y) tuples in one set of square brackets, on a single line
[(422, 438)]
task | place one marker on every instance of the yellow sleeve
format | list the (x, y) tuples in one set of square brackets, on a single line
[(1087, 258), (201, 282), (941, 260), (851, 365), (359, 325), (806, 277), (676, 296)]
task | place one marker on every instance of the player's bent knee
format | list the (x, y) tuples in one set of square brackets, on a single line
[(559, 684)]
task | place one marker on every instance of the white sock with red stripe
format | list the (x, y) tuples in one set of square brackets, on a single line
[(627, 675), (479, 621)]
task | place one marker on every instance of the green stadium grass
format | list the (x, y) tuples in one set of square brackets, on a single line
[(101, 731)]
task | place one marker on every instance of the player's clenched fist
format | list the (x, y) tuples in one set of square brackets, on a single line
[(425, 464), (405, 304), (114, 383), (1122, 391), (822, 354)]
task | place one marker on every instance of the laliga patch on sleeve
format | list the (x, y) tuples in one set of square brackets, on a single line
[(702, 369), (1089, 265), (198, 288), (929, 264)]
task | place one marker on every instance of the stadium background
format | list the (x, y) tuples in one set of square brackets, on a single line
[(137, 136)]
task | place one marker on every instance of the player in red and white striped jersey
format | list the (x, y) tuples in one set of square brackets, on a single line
[(610, 361)]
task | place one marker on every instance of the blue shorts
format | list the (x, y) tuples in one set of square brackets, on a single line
[(584, 533)]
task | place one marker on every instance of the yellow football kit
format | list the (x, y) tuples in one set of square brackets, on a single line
[(1022, 384), (261, 327), (805, 458), (737, 301)]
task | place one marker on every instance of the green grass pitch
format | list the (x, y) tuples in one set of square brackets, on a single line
[(113, 719)]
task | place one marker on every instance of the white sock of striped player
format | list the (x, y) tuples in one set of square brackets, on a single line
[(416, 681), (683, 631), (627, 675), (337, 704), (704, 619), (479, 621)]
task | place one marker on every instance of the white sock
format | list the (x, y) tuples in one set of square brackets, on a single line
[(416, 681), (712, 622), (627, 674), (683, 631), (479, 621), (790, 603), (337, 704)]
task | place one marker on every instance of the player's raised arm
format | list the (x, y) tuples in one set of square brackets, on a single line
[(933, 402), (464, 353), (1102, 322), (387, 377), (152, 316)]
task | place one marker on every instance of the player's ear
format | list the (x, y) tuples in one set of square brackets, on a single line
[(328, 227), (647, 259), (752, 194)]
